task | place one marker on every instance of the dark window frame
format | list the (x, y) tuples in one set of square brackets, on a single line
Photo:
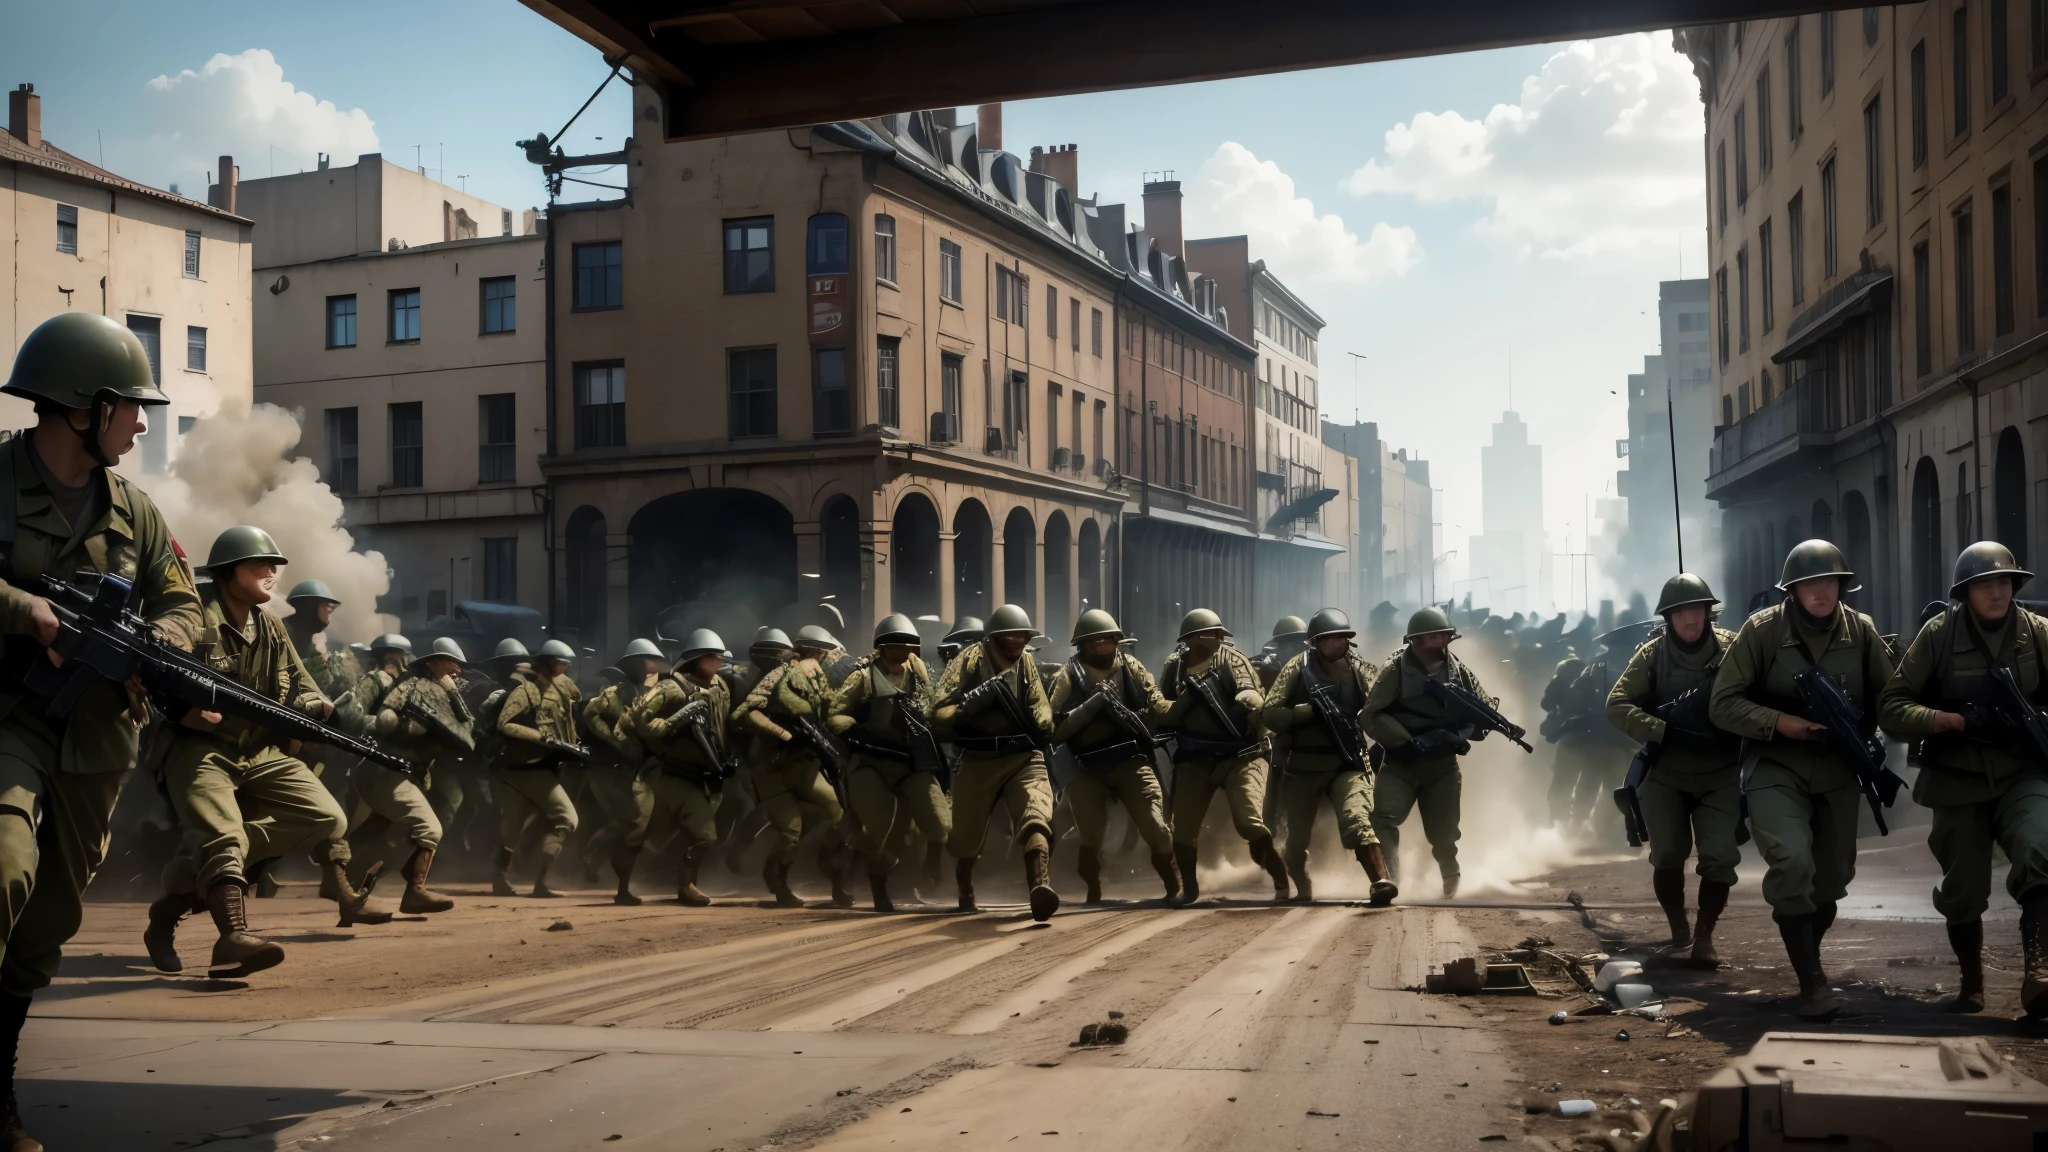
[(1827, 53), (889, 381), (831, 404), (2004, 288), (1917, 80), (497, 438), (408, 452), (1795, 112), (344, 449), (1763, 121), (195, 348), (1766, 299), (191, 268), (599, 283), (1830, 221), (499, 569), (337, 315), (1873, 160), (497, 315), (1964, 232), (1923, 310), (749, 268), (1998, 47), (67, 229), (600, 423), (1959, 73), (1795, 246), (952, 285), (885, 248), (402, 308), (752, 412)]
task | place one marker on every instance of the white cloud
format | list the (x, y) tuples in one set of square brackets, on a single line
[(1236, 192), (240, 106), (1601, 153)]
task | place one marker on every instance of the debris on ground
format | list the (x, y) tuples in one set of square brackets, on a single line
[(1096, 1035), (561, 926)]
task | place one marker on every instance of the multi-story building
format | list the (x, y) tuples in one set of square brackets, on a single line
[(1395, 547), (1879, 287), (81, 239), (1670, 421), (1509, 556), (390, 318)]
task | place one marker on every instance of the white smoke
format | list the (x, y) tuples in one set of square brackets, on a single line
[(235, 467)]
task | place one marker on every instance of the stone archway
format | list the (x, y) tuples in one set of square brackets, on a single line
[(914, 556), (1059, 551), (1020, 561), (1088, 559), (973, 560), (1927, 577), (718, 558), (583, 541)]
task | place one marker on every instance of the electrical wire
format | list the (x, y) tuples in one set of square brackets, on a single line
[(557, 137)]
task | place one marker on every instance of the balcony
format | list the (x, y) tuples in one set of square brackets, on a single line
[(1803, 427)]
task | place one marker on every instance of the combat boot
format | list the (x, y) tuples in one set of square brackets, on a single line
[(1038, 876), (1823, 919), (776, 876), (832, 860), (878, 886), (13, 1014), (237, 953), (1187, 860), (963, 876), (1713, 900), (1669, 884), (1451, 885), (354, 904), (1304, 892), (550, 851), (417, 899), (1268, 857), (160, 938), (687, 892), (1169, 875), (2034, 946), (1817, 1001), (1089, 868), (501, 884), (594, 850), (1375, 865), (934, 862), (1967, 939), (622, 867)]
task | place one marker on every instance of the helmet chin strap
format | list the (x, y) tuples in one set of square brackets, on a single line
[(89, 435)]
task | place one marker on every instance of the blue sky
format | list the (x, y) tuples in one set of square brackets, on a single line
[(1449, 217)]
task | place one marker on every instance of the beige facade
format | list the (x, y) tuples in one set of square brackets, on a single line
[(81, 239), (372, 205)]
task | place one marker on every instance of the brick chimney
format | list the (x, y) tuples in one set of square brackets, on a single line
[(222, 194), (1062, 163), (1162, 216), (25, 116), (988, 127)]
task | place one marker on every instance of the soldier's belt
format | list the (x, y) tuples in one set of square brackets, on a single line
[(1188, 745), (995, 745), (1110, 756), (692, 772)]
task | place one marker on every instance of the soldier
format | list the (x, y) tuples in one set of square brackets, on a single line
[(615, 782), (1002, 742), (332, 667), (1592, 757), (391, 654), (1692, 794), (425, 719), (740, 820), (1104, 704), (1317, 768), (240, 798), (788, 771), (688, 781), (1803, 799), (1219, 744), (63, 509), (1289, 639), (966, 630), (1980, 777), (892, 785), (837, 662), (1423, 743), (538, 722)]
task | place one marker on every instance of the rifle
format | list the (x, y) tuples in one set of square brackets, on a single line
[(100, 638), (925, 753), (1467, 708), (1843, 730), (997, 688), (1627, 799), (1120, 714), (436, 727), (576, 752), (718, 768), (2016, 716), (1322, 700), (809, 731)]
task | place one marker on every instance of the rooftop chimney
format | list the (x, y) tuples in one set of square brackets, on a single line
[(1063, 163), (25, 116), (222, 194), (1162, 216), (988, 127)]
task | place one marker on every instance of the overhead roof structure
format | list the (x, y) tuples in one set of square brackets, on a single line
[(731, 66)]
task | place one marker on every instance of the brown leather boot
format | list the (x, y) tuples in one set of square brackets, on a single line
[(1817, 1001), (13, 1137), (1304, 892), (963, 876), (237, 953), (1669, 884), (832, 860), (1713, 900), (1268, 857), (334, 882), (776, 876), (1187, 860), (1169, 874), (418, 900), (1038, 876), (354, 903), (623, 859), (1089, 867), (160, 938), (550, 851), (687, 892), (1967, 939), (2034, 946), (501, 884), (1375, 865)]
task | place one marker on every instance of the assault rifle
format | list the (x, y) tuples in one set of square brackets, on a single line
[(996, 689), (437, 727), (718, 768), (925, 753), (576, 752), (101, 638), (2017, 716), (1322, 700), (1843, 731), (1466, 708), (1628, 799), (807, 730)]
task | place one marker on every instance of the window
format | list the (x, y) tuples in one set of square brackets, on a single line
[(408, 445), (1009, 295), (1074, 323), (888, 404), (1763, 274), (195, 349), (600, 405), (1016, 396), (1870, 27), (1742, 300), (1795, 241), (497, 439), (1095, 440), (1873, 160), (1741, 158), (1923, 311), (1959, 66), (750, 255), (1052, 423), (2000, 49), (1917, 72), (405, 315), (1794, 113), (501, 568), (1827, 219), (191, 255), (885, 248), (600, 276), (341, 449), (750, 379), (1052, 312), (825, 248), (1966, 270), (1095, 330), (1721, 183), (1742, 398), (831, 403), (1763, 121), (949, 271), (500, 300), (1721, 298), (505, 222), (1727, 411), (341, 321), (150, 330), (1827, 53), (949, 392), (67, 229), (2001, 261)]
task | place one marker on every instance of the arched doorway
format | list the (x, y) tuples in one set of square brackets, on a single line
[(973, 559), (1927, 582), (2009, 493), (1059, 550), (914, 554), (1856, 545), (584, 542), (839, 541), (1020, 567), (1088, 557), (718, 558), (1823, 520)]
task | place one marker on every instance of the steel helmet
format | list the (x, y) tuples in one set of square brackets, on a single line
[(1201, 620), (1290, 628), (1986, 558), (703, 642), (776, 638), (1009, 618), (1428, 622), (242, 542), (966, 630), (813, 638), (312, 590), (1813, 559), (442, 646), (1683, 589), (1329, 622), (1094, 622), (830, 618), (510, 646), (556, 650), (642, 647), (391, 642), (896, 628), (75, 359), (611, 675)]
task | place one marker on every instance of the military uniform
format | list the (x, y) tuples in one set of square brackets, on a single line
[(1317, 773), (895, 802), (1208, 758), (788, 775), (385, 797), (532, 714), (1114, 763), (686, 787), (1397, 711), (616, 782)]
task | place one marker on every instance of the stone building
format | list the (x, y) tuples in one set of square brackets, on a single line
[(1393, 551), (1510, 559)]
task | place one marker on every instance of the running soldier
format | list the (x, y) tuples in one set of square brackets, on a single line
[(788, 768), (1104, 704), (425, 718), (538, 722), (892, 777), (1219, 746), (616, 781), (682, 721)]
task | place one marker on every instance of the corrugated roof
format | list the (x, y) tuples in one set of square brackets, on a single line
[(51, 158)]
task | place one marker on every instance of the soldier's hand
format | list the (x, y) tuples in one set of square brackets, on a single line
[(1949, 722), (42, 624), (138, 699), (203, 721), (1797, 727)]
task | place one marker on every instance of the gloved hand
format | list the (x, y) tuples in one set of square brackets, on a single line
[(1250, 700), (1431, 745), (978, 698)]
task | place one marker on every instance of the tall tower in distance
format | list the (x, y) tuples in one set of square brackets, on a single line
[(1507, 554)]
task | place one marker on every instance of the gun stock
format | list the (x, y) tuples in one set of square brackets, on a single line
[(1468, 708), (1628, 797), (439, 729)]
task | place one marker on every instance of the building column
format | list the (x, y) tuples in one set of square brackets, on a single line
[(948, 577), (998, 569), (1036, 605), (1073, 558), (618, 602), (877, 565)]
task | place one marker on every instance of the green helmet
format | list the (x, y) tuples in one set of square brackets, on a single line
[(1328, 622), (966, 630), (242, 542), (390, 642), (444, 647), (74, 359), (312, 590), (702, 642), (1683, 589), (1813, 559), (556, 650), (1428, 622), (1094, 622), (775, 638), (1201, 620), (814, 638), (1986, 558), (1009, 618), (642, 647), (1288, 628), (896, 628)]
